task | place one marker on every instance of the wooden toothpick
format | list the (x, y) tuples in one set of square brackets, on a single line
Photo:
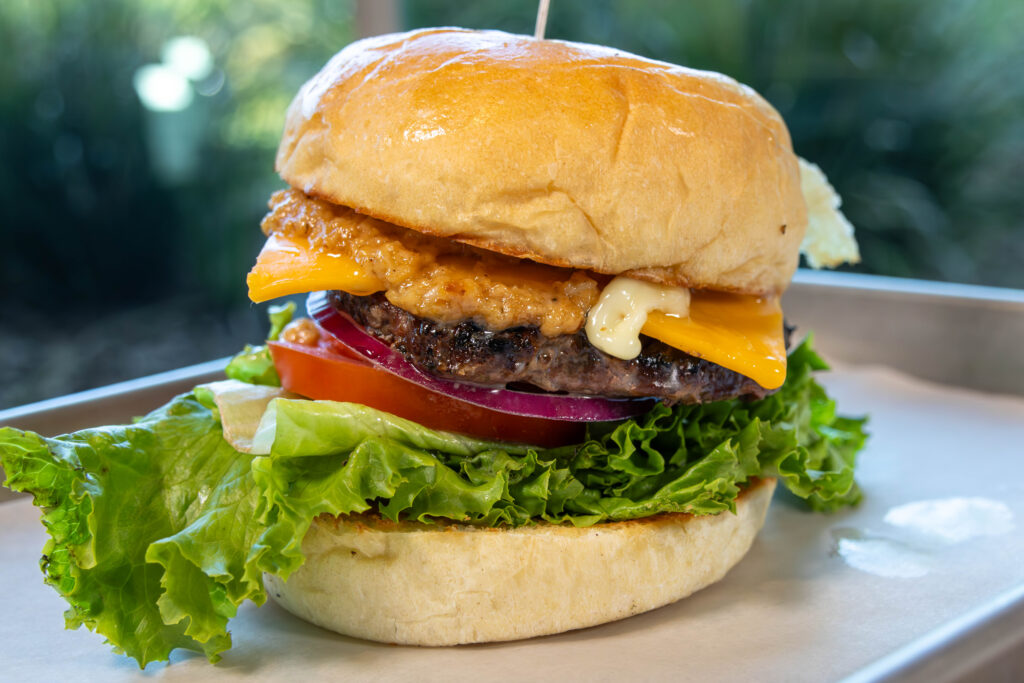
[(542, 19)]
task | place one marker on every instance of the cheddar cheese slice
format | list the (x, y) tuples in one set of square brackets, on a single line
[(287, 265), (742, 333)]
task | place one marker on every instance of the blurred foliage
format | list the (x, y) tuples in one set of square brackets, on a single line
[(89, 217), (914, 108)]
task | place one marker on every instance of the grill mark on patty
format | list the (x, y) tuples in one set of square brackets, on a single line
[(468, 352)]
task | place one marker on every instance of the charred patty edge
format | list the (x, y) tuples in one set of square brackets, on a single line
[(468, 352)]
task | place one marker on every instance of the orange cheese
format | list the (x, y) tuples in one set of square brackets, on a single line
[(742, 333), (288, 266)]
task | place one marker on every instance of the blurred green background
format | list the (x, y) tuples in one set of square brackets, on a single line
[(137, 141)]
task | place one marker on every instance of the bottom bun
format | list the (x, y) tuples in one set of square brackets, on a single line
[(417, 584)]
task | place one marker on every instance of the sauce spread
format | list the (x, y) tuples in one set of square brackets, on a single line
[(433, 277), (614, 323)]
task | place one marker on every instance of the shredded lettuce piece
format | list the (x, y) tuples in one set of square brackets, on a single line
[(160, 529), (253, 364)]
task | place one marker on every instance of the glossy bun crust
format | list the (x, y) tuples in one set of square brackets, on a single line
[(564, 153), (414, 584)]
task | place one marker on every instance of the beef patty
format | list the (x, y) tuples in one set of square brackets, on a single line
[(467, 352)]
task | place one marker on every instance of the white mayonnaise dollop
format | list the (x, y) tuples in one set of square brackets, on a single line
[(615, 321)]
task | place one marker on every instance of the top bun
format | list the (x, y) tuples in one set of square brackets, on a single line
[(568, 154)]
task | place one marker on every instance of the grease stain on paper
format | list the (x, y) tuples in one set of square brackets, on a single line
[(953, 520), (879, 555), (922, 530)]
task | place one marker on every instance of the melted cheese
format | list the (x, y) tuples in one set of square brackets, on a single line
[(287, 265), (742, 333)]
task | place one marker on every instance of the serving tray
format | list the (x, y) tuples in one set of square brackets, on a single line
[(923, 582)]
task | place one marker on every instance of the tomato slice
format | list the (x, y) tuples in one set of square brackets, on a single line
[(332, 372)]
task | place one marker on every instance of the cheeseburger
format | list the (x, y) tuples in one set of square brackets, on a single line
[(544, 380)]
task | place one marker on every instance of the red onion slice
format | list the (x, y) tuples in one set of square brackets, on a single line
[(569, 407)]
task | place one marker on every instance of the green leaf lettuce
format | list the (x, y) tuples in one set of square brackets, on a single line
[(253, 364)]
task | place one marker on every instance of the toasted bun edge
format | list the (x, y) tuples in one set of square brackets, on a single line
[(446, 585)]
